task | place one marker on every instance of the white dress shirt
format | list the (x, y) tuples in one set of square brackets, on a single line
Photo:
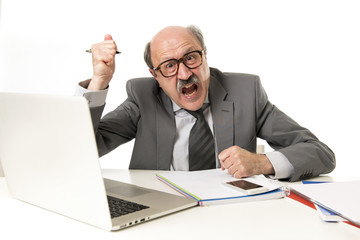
[(184, 122)]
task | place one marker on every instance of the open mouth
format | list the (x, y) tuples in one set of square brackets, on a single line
[(189, 90)]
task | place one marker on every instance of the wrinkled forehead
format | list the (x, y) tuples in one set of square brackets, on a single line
[(173, 42)]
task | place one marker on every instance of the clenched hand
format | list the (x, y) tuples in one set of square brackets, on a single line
[(103, 60), (241, 163)]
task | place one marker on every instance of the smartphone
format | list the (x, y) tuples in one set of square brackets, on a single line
[(246, 187)]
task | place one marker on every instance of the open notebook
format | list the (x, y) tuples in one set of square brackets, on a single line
[(207, 186)]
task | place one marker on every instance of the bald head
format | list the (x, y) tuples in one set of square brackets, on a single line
[(168, 36), (170, 30)]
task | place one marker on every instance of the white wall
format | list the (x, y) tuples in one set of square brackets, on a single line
[(306, 53)]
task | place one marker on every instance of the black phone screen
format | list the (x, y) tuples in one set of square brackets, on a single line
[(244, 184)]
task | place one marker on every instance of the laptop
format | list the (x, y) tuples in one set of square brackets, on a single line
[(50, 160)]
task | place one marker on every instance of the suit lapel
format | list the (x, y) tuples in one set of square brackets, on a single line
[(222, 112), (166, 130)]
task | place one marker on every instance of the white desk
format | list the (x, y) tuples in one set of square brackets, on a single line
[(271, 219)]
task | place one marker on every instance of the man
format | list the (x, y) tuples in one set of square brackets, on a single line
[(160, 114)]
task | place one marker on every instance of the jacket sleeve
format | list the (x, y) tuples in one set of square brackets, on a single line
[(116, 127), (309, 156)]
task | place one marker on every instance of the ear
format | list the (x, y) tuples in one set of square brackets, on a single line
[(205, 55), (153, 73)]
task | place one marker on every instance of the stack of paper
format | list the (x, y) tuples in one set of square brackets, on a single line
[(328, 216), (341, 198), (208, 188)]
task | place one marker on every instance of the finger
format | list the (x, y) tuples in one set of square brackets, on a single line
[(224, 163), (104, 50), (103, 55), (234, 167), (241, 170), (227, 157), (108, 60), (229, 162), (109, 46), (224, 155), (228, 152), (221, 160), (237, 171), (238, 174), (108, 37)]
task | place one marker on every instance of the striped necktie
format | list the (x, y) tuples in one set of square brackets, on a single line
[(201, 144)]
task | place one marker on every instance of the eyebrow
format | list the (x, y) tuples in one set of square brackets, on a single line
[(187, 51)]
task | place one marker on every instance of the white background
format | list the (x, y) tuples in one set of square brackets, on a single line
[(306, 53)]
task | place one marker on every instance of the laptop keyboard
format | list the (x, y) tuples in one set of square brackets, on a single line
[(119, 207)]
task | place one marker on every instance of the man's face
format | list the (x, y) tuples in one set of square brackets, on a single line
[(188, 88)]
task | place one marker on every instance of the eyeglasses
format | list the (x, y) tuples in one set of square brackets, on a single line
[(170, 67)]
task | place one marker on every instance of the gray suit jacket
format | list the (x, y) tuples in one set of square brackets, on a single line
[(241, 113)]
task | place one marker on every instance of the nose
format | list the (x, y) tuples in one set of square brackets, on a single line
[(183, 72)]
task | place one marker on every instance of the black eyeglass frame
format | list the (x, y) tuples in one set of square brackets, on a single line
[(178, 61)]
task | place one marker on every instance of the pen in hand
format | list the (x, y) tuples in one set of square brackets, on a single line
[(89, 51)]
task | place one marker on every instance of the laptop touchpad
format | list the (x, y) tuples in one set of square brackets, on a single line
[(127, 191)]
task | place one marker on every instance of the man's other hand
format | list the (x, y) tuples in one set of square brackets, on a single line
[(241, 163)]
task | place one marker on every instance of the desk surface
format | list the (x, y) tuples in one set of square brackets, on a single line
[(270, 219)]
